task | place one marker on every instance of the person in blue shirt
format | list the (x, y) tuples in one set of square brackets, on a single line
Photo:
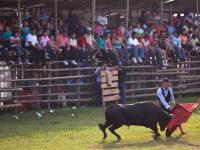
[(7, 34), (170, 28), (175, 44)]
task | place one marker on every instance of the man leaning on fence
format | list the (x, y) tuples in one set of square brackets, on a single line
[(98, 71)]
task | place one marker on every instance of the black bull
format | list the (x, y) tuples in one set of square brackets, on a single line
[(145, 114)]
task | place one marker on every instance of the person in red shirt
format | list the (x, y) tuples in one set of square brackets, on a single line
[(82, 43), (63, 43)]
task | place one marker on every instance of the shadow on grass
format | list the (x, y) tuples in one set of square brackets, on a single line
[(152, 143)]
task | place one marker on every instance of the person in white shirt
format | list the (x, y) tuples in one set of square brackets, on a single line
[(44, 42), (32, 44), (74, 49), (92, 45), (132, 45), (102, 19), (166, 96), (138, 30), (15, 44)]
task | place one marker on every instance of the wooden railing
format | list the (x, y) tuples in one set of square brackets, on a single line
[(76, 85)]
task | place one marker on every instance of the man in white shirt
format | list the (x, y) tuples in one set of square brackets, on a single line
[(132, 45), (32, 44), (166, 96), (102, 19)]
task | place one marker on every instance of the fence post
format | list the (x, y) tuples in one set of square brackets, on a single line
[(49, 88), (78, 87)]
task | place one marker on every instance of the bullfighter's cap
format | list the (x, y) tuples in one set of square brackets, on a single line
[(165, 80)]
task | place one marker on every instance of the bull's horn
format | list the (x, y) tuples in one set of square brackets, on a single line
[(172, 115)]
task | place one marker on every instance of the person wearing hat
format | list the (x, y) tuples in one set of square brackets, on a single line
[(166, 96), (92, 44)]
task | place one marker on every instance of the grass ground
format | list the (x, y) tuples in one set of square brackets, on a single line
[(77, 130)]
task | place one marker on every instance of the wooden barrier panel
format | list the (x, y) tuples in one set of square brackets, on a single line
[(110, 91)]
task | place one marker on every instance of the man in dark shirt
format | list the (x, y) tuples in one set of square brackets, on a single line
[(121, 82)]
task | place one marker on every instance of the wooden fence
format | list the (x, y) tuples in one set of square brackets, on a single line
[(56, 84)]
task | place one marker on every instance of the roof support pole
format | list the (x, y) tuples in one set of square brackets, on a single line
[(56, 18), (19, 14), (93, 14), (197, 3), (161, 14), (171, 10), (127, 13)]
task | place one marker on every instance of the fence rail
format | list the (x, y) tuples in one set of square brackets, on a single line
[(27, 84)]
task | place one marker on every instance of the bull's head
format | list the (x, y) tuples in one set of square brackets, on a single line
[(164, 121)]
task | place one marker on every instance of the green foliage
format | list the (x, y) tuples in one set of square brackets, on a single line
[(63, 131)]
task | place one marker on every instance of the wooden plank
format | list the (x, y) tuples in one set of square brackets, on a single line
[(43, 95), (113, 85), (57, 101), (10, 89), (104, 79), (114, 72), (111, 98), (9, 106), (110, 91)]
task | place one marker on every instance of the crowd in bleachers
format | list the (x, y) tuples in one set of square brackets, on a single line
[(145, 42)]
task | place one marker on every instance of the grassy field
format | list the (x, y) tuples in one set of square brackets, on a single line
[(76, 129)]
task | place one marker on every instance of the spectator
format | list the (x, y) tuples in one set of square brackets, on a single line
[(156, 54), (44, 44), (146, 44), (132, 45), (32, 44), (170, 28), (102, 19), (129, 31), (185, 42), (82, 43), (121, 49), (138, 30), (63, 43), (177, 47), (25, 30), (74, 49), (7, 34), (4, 53), (72, 22), (109, 53), (121, 81), (21, 52), (53, 46), (92, 44)]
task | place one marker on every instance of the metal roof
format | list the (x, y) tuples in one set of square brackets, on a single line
[(140, 4)]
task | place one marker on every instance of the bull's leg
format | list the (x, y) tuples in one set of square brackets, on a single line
[(113, 128), (103, 127), (155, 130)]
